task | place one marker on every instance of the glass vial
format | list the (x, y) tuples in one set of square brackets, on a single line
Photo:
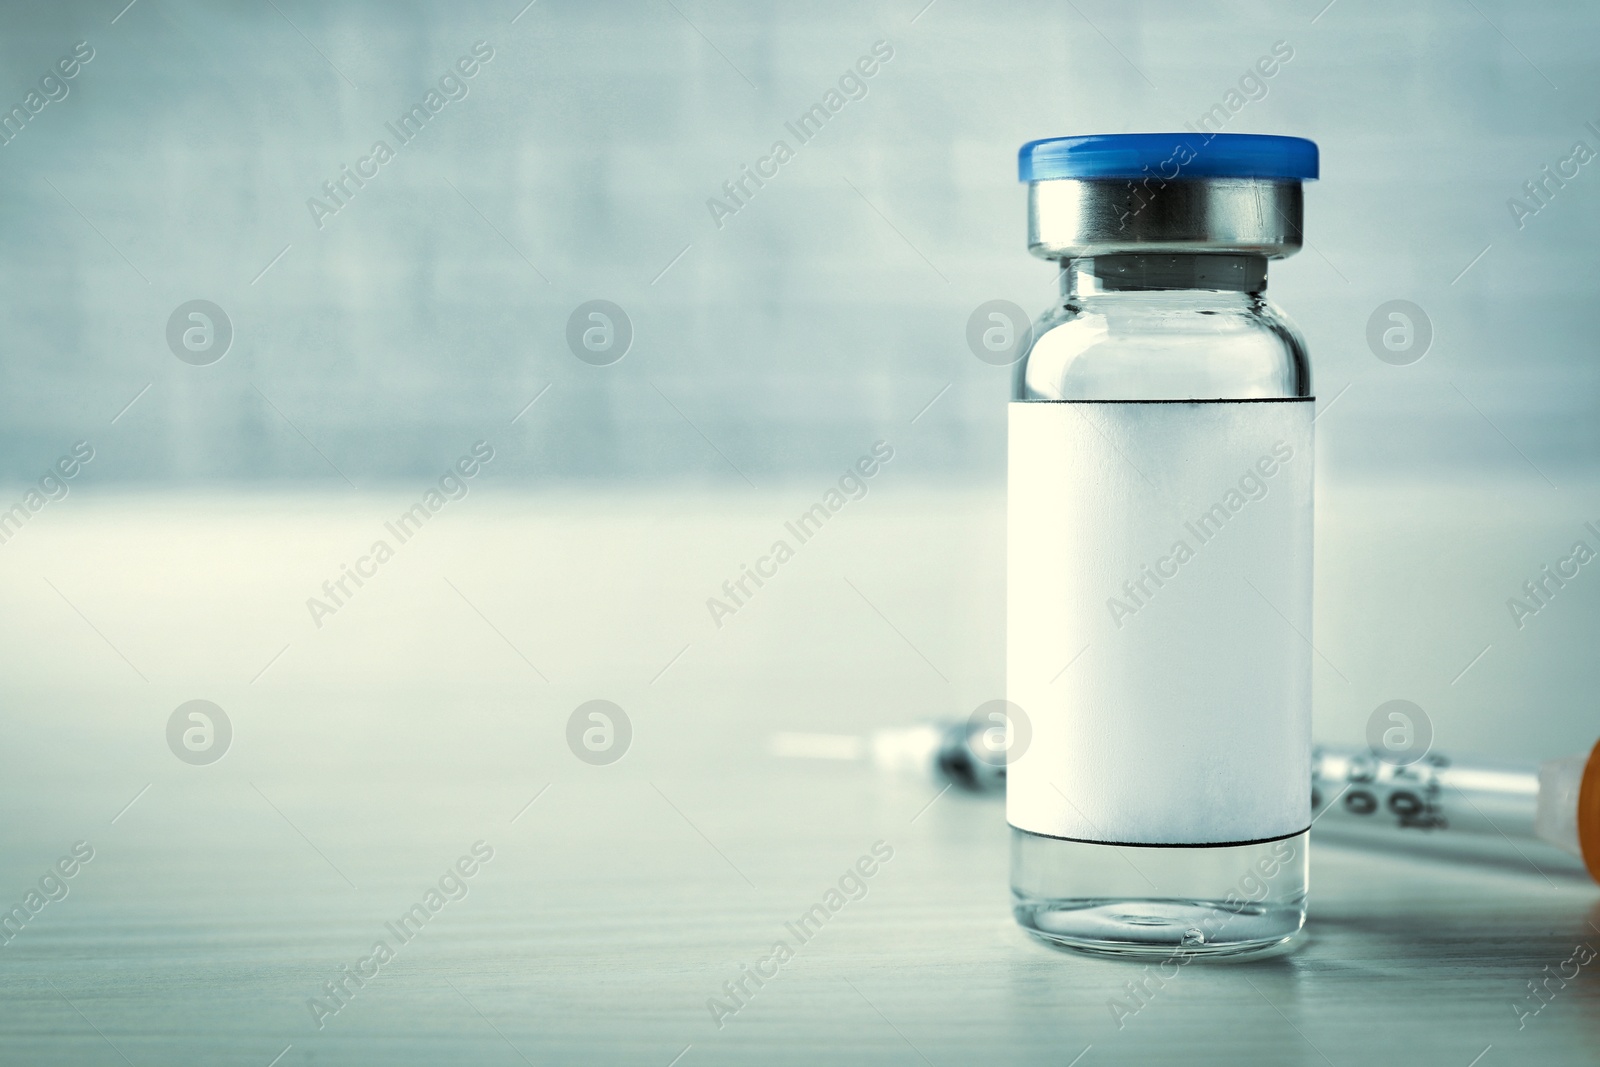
[(1159, 552)]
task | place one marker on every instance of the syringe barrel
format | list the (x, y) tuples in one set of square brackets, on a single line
[(1352, 788)]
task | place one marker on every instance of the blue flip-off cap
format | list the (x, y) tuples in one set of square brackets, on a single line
[(1169, 157)]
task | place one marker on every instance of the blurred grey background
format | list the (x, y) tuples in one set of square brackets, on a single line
[(829, 310)]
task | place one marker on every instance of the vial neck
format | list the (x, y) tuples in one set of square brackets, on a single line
[(1156, 272)]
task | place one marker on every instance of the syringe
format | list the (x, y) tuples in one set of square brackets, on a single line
[(1452, 808), (953, 753), (1465, 808)]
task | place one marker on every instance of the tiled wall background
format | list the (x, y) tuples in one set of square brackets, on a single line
[(826, 313)]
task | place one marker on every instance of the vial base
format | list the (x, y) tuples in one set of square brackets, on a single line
[(1158, 901)]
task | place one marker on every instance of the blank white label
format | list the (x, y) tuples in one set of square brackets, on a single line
[(1158, 619)]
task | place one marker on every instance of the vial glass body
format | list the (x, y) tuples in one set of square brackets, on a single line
[(1142, 328)]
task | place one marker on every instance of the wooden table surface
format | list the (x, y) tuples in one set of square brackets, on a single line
[(429, 713)]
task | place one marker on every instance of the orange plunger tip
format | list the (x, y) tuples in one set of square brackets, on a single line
[(1589, 813)]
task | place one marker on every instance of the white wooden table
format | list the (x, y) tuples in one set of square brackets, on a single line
[(371, 754)]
